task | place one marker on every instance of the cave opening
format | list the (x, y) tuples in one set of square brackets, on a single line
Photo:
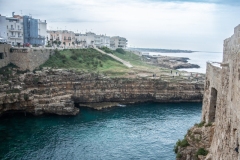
[(213, 105)]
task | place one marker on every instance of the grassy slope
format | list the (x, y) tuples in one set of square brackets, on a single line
[(86, 60), (137, 62)]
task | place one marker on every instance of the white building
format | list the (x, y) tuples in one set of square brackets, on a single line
[(11, 29), (42, 30), (118, 42), (85, 40), (3, 28), (91, 39), (102, 41)]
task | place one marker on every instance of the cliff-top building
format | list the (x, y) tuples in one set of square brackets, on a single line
[(18, 30), (62, 38), (11, 29), (34, 31), (118, 42)]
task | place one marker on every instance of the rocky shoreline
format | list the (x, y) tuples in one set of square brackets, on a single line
[(55, 91), (170, 62)]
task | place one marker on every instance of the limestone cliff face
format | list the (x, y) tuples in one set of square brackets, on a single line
[(222, 100), (55, 91)]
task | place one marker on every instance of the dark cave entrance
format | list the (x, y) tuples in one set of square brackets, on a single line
[(213, 105)]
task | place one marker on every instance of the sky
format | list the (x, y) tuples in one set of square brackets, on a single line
[(199, 25)]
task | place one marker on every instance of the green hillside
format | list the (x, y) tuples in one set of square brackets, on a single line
[(86, 60)]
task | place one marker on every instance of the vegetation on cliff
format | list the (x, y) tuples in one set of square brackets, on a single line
[(86, 60)]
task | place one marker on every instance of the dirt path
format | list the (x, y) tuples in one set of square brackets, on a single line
[(116, 58)]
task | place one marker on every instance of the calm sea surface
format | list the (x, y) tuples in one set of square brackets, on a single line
[(145, 131), (199, 58)]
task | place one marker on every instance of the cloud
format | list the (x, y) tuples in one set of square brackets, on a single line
[(185, 24)]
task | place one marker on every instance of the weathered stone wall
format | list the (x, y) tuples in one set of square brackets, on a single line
[(29, 58), (226, 113), (5, 56)]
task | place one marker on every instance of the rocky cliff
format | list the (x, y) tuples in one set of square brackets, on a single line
[(56, 91), (220, 107)]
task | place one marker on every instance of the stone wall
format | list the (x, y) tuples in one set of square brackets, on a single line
[(29, 58), (221, 104), (24, 58), (4, 55), (221, 108)]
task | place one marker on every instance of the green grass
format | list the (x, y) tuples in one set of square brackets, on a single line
[(86, 60), (134, 59)]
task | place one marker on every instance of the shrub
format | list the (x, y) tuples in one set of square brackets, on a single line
[(74, 57), (13, 91), (26, 97), (120, 50), (201, 151), (208, 125), (201, 124), (179, 155), (106, 49), (181, 143), (64, 60), (35, 80)]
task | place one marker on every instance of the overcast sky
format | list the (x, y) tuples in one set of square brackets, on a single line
[(200, 25)]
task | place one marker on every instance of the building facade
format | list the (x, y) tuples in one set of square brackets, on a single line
[(118, 42), (34, 31), (102, 41), (11, 29), (62, 38)]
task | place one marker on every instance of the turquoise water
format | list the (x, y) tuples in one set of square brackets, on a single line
[(141, 131)]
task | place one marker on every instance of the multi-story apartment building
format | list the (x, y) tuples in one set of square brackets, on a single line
[(68, 38), (91, 39), (102, 40), (18, 30), (34, 31), (85, 40), (11, 29), (61, 37), (3, 27), (118, 42)]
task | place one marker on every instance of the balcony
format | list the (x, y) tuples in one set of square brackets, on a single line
[(67, 39), (15, 37), (15, 29)]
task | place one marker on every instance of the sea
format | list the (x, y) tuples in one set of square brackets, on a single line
[(146, 131), (200, 58)]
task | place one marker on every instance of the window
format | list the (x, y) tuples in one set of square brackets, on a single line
[(7, 27), (1, 56)]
